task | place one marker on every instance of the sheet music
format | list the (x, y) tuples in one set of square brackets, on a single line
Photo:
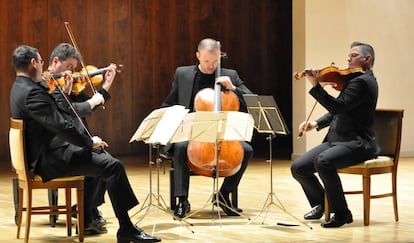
[(239, 126), (160, 125), (168, 124), (205, 126), (266, 114)]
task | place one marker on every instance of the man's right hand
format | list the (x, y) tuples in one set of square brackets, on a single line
[(96, 99), (98, 142)]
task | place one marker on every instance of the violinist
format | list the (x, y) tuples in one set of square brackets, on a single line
[(188, 80), (64, 59), (44, 121), (350, 139)]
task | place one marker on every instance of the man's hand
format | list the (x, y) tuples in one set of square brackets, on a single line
[(109, 77), (98, 142), (226, 82), (96, 99), (307, 126), (310, 76), (68, 81)]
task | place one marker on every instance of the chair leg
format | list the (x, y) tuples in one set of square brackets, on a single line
[(28, 214), (79, 198), (20, 212), (16, 198), (394, 195), (68, 192), (366, 185), (173, 202)]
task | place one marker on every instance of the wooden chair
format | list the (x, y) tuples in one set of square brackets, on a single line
[(387, 126), (27, 184)]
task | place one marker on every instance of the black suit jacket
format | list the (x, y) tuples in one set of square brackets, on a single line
[(182, 86), (350, 116), (44, 121)]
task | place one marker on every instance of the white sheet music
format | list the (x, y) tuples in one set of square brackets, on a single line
[(160, 125), (205, 126)]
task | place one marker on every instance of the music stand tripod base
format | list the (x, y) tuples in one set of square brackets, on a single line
[(155, 200), (268, 120)]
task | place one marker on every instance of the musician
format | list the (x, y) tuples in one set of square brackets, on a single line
[(188, 80), (350, 139), (44, 120), (65, 58)]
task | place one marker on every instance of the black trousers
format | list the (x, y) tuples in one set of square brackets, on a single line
[(98, 188), (325, 159), (182, 171), (112, 172)]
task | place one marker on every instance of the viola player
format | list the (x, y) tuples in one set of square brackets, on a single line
[(44, 120), (350, 139)]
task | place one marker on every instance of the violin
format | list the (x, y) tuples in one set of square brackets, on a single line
[(333, 76), (79, 79)]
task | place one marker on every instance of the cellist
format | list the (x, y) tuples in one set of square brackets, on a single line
[(188, 80)]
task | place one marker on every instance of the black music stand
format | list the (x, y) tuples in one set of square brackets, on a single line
[(155, 130), (214, 127), (268, 120)]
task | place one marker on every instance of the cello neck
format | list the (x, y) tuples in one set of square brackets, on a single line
[(217, 86)]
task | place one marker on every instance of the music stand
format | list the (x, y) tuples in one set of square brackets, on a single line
[(155, 130), (268, 120), (215, 127)]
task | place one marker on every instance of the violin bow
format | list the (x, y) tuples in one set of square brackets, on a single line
[(75, 45), (307, 120)]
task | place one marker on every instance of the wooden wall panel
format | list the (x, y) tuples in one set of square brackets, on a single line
[(22, 22), (152, 38)]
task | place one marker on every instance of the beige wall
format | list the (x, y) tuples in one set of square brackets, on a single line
[(322, 33)]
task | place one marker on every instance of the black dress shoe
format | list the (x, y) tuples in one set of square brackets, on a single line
[(338, 220), (94, 229), (315, 213), (182, 209), (97, 217), (135, 234)]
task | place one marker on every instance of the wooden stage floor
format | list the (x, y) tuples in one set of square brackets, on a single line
[(253, 192)]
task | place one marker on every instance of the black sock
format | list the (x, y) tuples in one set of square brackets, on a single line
[(124, 222), (182, 199), (94, 213)]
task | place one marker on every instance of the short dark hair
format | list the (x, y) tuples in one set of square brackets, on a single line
[(22, 56), (208, 44), (365, 50), (63, 51)]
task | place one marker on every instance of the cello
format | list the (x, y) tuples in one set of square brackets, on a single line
[(223, 158)]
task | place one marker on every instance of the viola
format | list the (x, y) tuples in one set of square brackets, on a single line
[(80, 79), (333, 76)]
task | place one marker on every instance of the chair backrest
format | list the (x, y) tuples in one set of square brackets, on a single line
[(388, 127), (17, 148)]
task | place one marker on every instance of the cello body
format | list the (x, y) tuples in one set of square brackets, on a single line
[(202, 155)]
